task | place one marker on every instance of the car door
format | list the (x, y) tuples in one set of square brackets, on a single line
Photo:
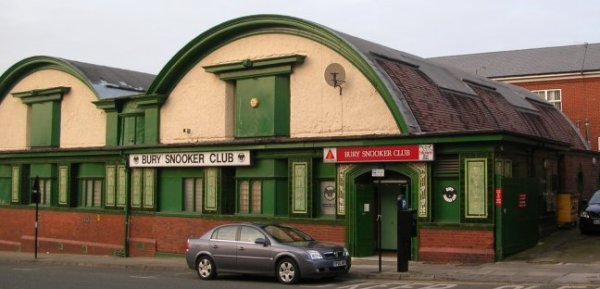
[(223, 247), (252, 257)]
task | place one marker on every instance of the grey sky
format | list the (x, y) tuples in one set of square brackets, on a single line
[(143, 35)]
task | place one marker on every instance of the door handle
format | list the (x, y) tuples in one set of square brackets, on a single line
[(241, 249), (215, 246)]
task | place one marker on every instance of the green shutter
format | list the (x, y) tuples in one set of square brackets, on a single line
[(262, 106)]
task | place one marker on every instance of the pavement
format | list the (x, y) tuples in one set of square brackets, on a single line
[(564, 258)]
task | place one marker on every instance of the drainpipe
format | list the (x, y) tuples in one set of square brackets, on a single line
[(126, 238), (127, 213)]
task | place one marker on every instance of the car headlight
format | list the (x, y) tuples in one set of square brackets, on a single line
[(585, 214), (346, 253), (314, 255)]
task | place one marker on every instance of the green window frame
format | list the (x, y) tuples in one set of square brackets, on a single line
[(249, 196), (90, 192), (45, 190), (143, 188), (44, 115), (262, 94), (193, 189)]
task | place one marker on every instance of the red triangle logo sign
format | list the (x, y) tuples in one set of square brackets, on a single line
[(329, 155)]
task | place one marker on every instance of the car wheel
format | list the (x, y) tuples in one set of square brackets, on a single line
[(206, 269), (287, 271)]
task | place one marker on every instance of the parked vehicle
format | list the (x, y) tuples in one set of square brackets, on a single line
[(589, 218), (265, 249)]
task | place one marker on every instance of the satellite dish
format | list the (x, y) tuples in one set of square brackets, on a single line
[(335, 75)]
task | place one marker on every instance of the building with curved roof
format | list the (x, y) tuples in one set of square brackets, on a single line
[(275, 118)]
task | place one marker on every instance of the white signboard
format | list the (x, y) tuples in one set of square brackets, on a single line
[(191, 159)]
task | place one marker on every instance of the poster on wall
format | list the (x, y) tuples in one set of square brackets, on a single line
[(328, 198)]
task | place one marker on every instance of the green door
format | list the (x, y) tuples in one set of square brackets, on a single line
[(389, 213), (364, 227)]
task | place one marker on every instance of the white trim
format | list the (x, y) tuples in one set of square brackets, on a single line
[(547, 77)]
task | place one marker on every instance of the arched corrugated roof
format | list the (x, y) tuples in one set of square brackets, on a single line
[(105, 82), (422, 96)]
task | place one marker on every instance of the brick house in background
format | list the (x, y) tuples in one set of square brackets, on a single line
[(567, 76)]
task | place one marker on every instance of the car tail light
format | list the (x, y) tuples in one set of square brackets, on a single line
[(187, 244)]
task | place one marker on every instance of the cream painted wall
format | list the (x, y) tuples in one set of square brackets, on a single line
[(204, 104), (82, 124)]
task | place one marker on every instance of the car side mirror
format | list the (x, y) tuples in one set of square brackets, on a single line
[(261, 241)]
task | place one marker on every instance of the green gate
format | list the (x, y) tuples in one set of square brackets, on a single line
[(516, 215)]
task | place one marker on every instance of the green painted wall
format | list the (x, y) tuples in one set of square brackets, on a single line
[(42, 171), (273, 173), (5, 184), (91, 170), (443, 211), (170, 187)]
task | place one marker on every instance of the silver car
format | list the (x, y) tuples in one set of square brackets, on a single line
[(265, 249)]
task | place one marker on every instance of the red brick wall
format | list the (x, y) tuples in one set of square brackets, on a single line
[(580, 101), (450, 245), (571, 165), (61, 232), (169, 234)]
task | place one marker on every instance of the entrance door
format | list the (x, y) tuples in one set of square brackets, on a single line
[(364, 220), (389, 209)]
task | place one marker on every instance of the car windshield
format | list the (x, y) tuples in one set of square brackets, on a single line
[(285, 234), (596, 198)]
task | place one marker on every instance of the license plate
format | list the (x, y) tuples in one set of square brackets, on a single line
[(596, 222), (339, 263)]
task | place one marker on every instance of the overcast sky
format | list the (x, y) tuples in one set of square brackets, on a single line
[(143, 35)]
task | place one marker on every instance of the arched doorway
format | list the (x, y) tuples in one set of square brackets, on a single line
[(372, 202)]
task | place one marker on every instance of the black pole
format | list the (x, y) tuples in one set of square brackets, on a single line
[(378, 195), (35, 197), (36, 230)]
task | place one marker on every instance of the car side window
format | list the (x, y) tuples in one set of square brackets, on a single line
[(225, 233), (249, 235)]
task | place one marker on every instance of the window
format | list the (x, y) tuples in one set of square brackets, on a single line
[(250, 195), (249, 235), (90, 190), (553, 96), (142, 190), (227, 233), (192, 194), (45, 191)]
